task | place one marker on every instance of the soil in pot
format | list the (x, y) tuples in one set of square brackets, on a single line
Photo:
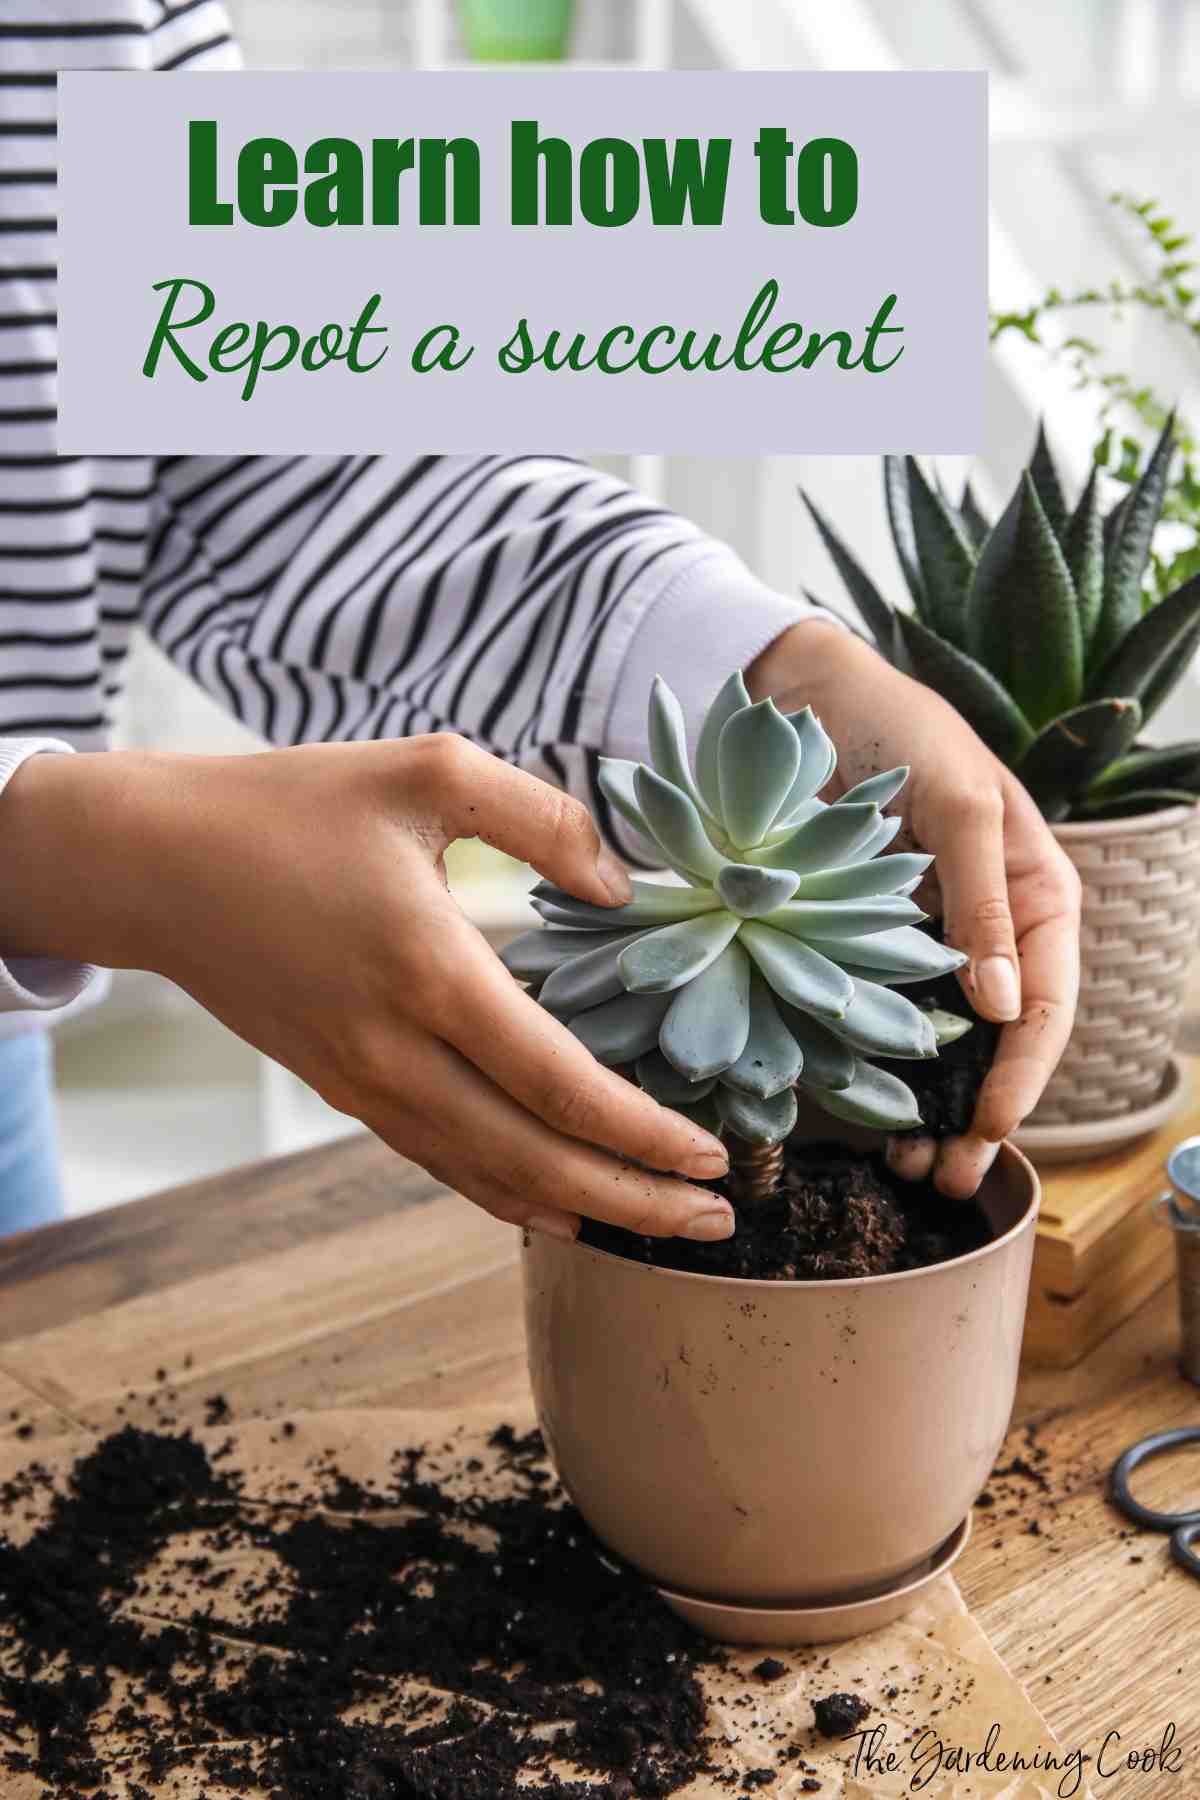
[(839, 1214)]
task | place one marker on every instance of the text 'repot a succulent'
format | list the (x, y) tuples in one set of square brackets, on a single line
[(1041, 629), (776, 965)]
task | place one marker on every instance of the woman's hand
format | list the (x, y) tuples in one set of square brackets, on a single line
[(300, 896), (1009, 896)]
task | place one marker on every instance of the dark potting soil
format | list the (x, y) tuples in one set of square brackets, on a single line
[(837, 1715), (839, 1214), (947, 1086)]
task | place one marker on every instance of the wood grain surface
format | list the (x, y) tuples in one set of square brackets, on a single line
[(345, 1278)]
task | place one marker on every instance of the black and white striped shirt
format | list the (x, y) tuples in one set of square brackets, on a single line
[(525, 601)]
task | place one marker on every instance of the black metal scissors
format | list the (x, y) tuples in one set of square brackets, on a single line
[(1184, 1527)]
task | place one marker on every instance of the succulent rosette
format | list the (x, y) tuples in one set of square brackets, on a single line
[(774, 967)]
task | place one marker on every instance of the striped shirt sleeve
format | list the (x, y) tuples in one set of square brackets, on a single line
[(523, 601)]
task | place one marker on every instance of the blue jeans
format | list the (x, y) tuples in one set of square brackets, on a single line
[(30, 1179)]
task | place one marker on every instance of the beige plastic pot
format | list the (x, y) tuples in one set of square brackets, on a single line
[(780, 1443), (1141, 915)]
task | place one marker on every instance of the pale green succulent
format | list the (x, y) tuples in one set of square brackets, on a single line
[(775, 967)]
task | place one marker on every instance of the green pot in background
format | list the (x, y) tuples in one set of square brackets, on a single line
[(516, 30)]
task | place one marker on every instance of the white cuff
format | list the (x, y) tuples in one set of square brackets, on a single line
[(35, 983), (714, 618)]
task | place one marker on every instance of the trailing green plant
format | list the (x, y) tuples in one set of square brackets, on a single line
[(1131, 413), (774, 967), (1040, 630)]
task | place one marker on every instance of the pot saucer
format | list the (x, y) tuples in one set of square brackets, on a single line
[(791, 1626), (1096, 1137)]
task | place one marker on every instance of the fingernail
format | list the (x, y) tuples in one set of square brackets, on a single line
[(612, 873), (555, 1225), (998, 988), (707, 1161), (709, 1227)]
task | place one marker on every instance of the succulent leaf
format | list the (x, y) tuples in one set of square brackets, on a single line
[(666, 1085), (862, 881), (621, 1030), (974, 518), (1083, 547), (1175, 766), (845, 918), (616, 778), (535, 954), (759, 1121), (772, 1059), (984, 703), (828, 837), (946, 556), (750, 890), (905, 953), (1044, 477), (883, 1023), (876, 789), (881, 836), (653, 903), (875, 1098), (828, 1063), (586, 980), (731, 698), (1137, 800), (1022, 614), (863, 591), (1129, 552), (676, 826), (1169, 673), (1072, 751), (709, 1021), (758, 759), (1155, 644), (667, 732), (948, 1027), (899, 511), (818, 760), (804, 977), (662, 960)]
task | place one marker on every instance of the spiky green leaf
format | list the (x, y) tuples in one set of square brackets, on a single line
[(1174, 766), (1044, 476), (1157, 643), (946, 556), (863, 591), (1083, 547), (1171, 671), (758, 759), (663, 960), (1022, 614), (1129, 553), (899, 511), (772, 1059), (709, 1021), (1071, 752), (797, 973), (975, 520), (986, 706), (1137, 800)]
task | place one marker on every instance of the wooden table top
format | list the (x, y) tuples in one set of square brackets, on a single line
[(345, 1277)]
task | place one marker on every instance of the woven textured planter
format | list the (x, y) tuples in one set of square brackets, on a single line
[(1141, 915)]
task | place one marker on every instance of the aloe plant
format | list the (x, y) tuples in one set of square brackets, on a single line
[(1040, 629), (774, 967)]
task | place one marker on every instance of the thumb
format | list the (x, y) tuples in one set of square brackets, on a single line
[(480, 796)]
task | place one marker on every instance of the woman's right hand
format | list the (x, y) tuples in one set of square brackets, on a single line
[(300, 895)]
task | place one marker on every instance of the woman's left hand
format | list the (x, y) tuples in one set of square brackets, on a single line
[(1009, 896)]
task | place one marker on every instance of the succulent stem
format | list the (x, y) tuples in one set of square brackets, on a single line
[(755, 1170)]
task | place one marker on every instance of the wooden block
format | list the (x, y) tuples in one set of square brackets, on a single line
[(1100, 1252)]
